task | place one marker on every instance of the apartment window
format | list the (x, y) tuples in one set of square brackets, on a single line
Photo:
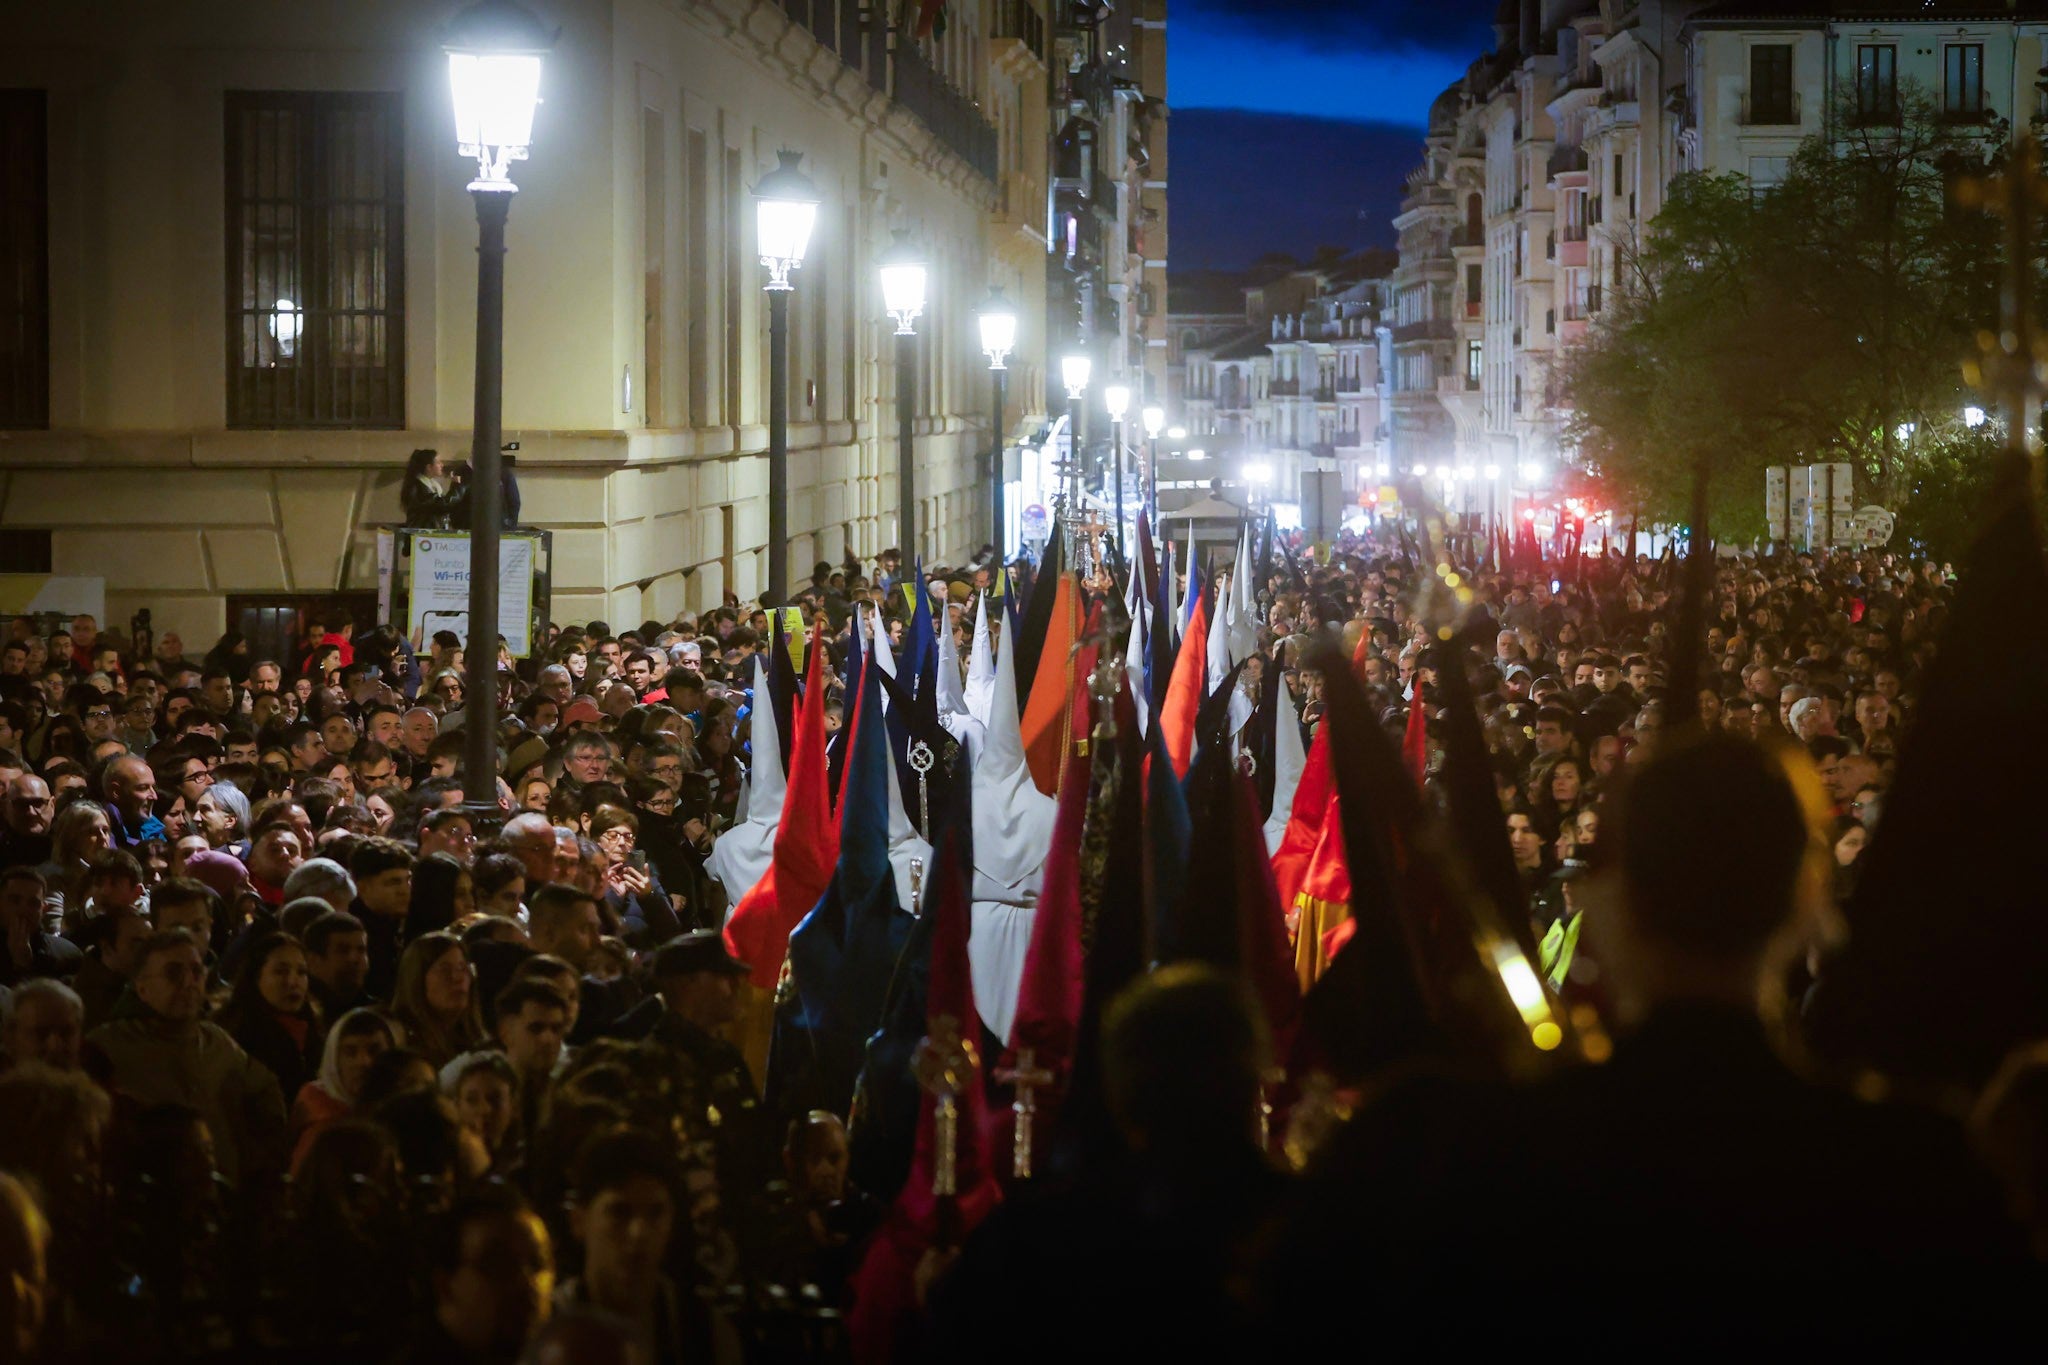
[(1962, 86), (1877, 83), (1475, 362), (1770, 84), (24, 260), (25, 551), (1475, 289), (316, 260)]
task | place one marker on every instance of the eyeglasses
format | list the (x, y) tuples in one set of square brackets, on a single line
[(617, 834), (100, 713)]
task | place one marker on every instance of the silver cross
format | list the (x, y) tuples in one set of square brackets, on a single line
[(921, 763)]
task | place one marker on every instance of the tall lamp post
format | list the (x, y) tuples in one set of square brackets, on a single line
[(785, 210), (1492, 474), (998, 323), (495, 49), (1465, 472), (1074, 370), (1117, 399), (1154, 418), (903, 284)]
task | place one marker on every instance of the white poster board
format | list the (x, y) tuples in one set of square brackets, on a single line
[(439, 596)]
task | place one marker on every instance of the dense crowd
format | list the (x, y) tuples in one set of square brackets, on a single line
[(305, 1059)]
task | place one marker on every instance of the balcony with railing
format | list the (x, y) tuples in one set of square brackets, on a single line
[(950, 115), (1017, 26), (1433, 330), (1566, 160), (1285, 388), (1326, 394), (839, 27), (1770, 109), (1350, 386)]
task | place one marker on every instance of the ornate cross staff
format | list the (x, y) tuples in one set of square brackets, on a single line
[(1027, 1076), (945, 1065), (917, 886), (921, 764)]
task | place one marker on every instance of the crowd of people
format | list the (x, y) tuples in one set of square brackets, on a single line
[(310, 1053)]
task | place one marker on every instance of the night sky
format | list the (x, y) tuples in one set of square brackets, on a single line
[(1295, 121)]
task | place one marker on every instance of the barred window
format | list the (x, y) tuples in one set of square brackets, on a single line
[(316, 260), (24, 260)]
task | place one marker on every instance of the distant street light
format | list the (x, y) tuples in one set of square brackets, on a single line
[(495, 50), (997, 319), (903, 285), (785, 211)]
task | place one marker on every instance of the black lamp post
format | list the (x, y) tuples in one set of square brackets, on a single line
[(1117, 399), (1074, 372), (998, 322), (785, 210), (903, 286), (495, 50)]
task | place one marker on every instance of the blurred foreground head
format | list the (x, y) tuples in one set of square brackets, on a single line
[(24, 1283), (1183, 1055), (1712, 838)]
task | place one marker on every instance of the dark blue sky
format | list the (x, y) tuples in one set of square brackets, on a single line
[(1296, 120)]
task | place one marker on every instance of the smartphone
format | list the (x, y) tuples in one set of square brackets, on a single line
[(637, 860)]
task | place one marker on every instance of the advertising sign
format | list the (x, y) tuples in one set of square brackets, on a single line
[(439, 598)]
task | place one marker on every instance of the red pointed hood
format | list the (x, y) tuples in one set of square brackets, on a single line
[(806, 845), (1184, 690)]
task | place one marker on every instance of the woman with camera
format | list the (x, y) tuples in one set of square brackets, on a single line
[(435, 493)]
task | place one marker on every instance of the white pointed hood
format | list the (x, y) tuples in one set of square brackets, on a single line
[(1012, 818), (981, 664), (878, 641), (952, 692), (1013, 823), (1219, 634), (741, 855), (1244, 601), (1137, 659), (1288, 761)]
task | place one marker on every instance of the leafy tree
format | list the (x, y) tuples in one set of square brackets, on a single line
[(1804, 323)]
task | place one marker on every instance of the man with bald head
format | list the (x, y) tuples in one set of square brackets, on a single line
[(418, 729), (130, 789), (530, 838), (25, 811)]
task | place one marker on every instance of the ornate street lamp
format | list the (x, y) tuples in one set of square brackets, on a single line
[(903, 286), (997, 320), (495, 52), (785, 211), (1154, 418)]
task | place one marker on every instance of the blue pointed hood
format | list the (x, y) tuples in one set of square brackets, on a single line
[(844, 953)]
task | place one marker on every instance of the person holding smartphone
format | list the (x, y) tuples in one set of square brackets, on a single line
[(631, 890)]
